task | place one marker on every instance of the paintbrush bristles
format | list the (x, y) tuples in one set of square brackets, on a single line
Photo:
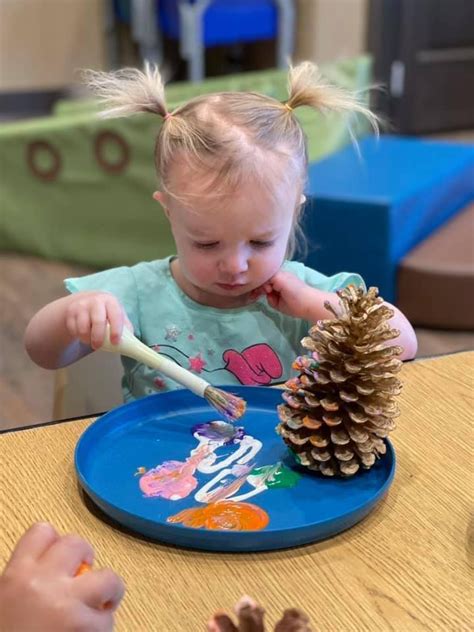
[(231, 406)]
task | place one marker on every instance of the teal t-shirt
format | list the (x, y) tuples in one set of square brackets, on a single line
[(254, 345)]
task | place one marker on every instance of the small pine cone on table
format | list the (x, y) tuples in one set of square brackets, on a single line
[(251, 615), (342, 405)]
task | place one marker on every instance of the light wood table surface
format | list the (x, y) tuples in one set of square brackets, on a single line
[(408, 566)]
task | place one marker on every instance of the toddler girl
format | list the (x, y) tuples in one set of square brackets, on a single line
[(230, 305)]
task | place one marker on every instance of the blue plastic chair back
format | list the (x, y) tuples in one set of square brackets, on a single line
[(226, 21)]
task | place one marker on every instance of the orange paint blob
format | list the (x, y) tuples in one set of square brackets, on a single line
[(224, 515)]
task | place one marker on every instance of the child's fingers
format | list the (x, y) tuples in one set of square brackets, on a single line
[(221, 623), (129, 324), (283, 279), (100, 589), (256, 293), (116, 318), (92, 620), (34, 542), (71, 324), (67, 554), (98, 322), (83, 324), (273, 299)]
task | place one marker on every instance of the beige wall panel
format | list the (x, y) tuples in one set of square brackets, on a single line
[(43, 42), (327, 30)]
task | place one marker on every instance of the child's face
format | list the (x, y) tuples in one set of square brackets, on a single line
[(225, 254)]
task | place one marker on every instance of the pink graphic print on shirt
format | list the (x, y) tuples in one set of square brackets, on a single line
[(256, 365)]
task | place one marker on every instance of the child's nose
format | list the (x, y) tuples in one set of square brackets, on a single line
[(235, 263)]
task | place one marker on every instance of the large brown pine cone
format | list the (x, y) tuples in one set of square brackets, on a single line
[(341, 406)]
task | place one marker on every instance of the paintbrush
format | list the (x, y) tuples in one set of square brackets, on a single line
[(231, 406)]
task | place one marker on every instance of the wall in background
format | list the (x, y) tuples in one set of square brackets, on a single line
[(327, 30), (43, 42)]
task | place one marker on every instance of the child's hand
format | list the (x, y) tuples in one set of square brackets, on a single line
[(288, 294), (88, 313), (39, 589)]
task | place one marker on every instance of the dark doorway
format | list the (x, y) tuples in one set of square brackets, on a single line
[(424, 54)]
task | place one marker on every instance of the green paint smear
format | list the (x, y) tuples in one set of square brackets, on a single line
[(296, 456), (275, 476)]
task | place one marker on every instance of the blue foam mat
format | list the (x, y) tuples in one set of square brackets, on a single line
[(365, 213)]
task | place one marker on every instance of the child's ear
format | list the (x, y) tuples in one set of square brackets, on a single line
[(160, 197)]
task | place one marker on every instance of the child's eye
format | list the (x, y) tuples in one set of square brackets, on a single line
[(261, 244), (206, 246)]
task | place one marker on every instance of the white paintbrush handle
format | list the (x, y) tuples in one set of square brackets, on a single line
[(131, 347)]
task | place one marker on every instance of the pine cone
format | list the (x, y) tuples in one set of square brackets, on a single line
[(251, 619), (342, 405)]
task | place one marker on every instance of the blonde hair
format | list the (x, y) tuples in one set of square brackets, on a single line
[(227, 136)]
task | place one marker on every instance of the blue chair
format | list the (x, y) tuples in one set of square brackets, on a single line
[(199, 24)]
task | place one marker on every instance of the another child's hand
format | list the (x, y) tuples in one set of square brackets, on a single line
[(39, 589), (88, 313), (288, 294)]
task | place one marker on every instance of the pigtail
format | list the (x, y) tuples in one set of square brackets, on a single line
[(306, 87), (129, 91)]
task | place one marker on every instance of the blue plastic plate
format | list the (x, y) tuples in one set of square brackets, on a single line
[(161, 466)]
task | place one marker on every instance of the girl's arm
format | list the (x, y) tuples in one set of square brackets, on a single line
[(314, 310), (292, 296), (407, 338), (48, 340), (70, 328)]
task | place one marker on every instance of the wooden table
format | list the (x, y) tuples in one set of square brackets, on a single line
[(406, 567)]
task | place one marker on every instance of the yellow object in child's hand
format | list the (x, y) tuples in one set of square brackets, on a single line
[(83, 568)]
